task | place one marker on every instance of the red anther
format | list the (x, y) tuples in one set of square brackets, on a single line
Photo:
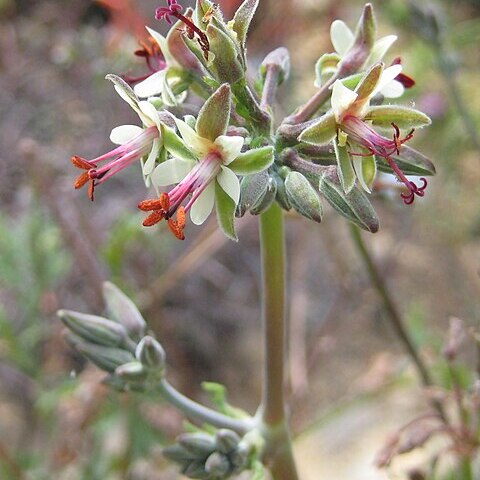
[(154, 218), (175, 229)]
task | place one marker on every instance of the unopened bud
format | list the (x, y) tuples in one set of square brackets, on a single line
[(94, 329), (106, 358), (123, 310), (176, 453), (239, 457), (132, 372), (217, 465), (150, 353), (196, 469), (200, 444), (277, 59), (303, 197), (226, 440)]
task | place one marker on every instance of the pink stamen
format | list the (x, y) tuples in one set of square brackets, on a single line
[(376, 144)]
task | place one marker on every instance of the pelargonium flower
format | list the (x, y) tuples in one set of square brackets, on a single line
[(350, 124), (135, 143), (210, 178)]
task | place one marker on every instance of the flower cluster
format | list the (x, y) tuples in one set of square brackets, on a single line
[(228, 156)]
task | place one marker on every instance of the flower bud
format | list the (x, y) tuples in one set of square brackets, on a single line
[(354, 205), (132, 372), (124, 311), (303, 197), (106, 358), (217, 465), (252, 189), (201, 444), (94, 329), (266, 200), (196, 469), (239, 457), (226, 440), (150, 353), (277, 59), (176, 453)]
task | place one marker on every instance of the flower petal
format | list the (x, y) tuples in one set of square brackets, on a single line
[(388, 75), (171, 171), (230, 147), (229, 183), (149, 114), (342, 99), (394, 89), (203, 205), (341, 36), (151, 86), (149, 164), (124, 133), (199, 145), (380, 48)]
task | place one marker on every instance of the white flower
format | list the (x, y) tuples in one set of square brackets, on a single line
[(343, 39)]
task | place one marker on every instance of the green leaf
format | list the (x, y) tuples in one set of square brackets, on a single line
[(253, 161), (404, 117), (346, 171), (242, 19), (225, 208), (321, 132), (303, 197), (214, 116), (354, 206), (174, 144)]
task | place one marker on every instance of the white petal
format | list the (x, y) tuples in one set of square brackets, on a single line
[(230, 147), (341, 36), (162, 43), (203, 205), (148, 114), (150, 161), (230, 183), (387, 76), (342, 98), (124, 133), (151, 86), (171, 171), (194, 142), (394, 89), (380, 48)]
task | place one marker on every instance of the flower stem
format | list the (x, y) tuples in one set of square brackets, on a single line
[(272, 409), (201, 413)]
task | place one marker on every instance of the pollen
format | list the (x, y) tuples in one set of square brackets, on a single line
[(81, 163), (81, 180), (176, 229), (154, 218)]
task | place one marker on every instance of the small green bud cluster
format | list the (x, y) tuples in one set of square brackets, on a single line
[(204, 456), (118, 344)]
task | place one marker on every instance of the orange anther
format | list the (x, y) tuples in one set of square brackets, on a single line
[(181, 218), (175, 229), (81, 180), (153, 218), (91, 189), (81, 163), (165, 201), (148, 205)]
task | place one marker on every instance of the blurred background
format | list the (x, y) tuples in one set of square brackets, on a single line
[(351, 383)]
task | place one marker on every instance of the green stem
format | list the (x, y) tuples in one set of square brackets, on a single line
[(466, 468), (272, 409), (201, 413)]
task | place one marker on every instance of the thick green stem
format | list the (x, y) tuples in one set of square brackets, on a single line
[(201, 413), (272, 409)]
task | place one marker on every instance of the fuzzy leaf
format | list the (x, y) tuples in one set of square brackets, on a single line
[(242, 18), (214, 116), (225, 208), (404, 117), (321, 132), (226, 67), (303, 197), (253, 161)]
